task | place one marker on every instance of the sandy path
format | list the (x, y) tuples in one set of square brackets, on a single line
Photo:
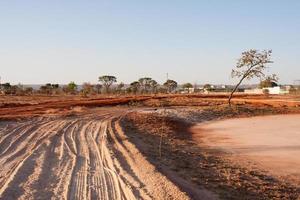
[(71, 158), (271, 143)]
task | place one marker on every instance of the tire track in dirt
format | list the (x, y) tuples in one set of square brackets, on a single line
[(150, 183), (23, 155), (71, 158)]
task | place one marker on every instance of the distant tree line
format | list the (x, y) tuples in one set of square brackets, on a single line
[(107, 85), (251, 64), (19, 89), (145, 85)]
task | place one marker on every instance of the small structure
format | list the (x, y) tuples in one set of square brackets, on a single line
[(187, 90), (271, 90)]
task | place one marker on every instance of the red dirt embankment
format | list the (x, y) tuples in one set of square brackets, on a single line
[(11, 107), (63, 106)]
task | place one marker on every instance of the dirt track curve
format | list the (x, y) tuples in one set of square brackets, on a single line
[(86, 157)]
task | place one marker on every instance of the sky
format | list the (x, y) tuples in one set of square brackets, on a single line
[(195, 41)]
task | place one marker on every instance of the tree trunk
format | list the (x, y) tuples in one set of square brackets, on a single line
[(234, 90), (106, 89)]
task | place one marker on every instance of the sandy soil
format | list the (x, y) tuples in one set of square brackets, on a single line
[(271, 143), (71, 158)]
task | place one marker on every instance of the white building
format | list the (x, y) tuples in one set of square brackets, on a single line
[(188, 90), (271, 90)]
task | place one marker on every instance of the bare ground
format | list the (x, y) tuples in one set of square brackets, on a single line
[(271, 143), (67, 149), (12, 107), (71, 158), (192, 161)]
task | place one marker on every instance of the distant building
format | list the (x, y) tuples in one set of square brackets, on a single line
[(271, 90), (188, 90)]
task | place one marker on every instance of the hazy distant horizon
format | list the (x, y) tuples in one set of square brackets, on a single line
[(195, 41)]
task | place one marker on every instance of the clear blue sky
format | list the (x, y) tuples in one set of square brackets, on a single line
[(196, 41)]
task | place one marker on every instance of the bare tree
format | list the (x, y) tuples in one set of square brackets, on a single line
[(107, 81), (251, 64)]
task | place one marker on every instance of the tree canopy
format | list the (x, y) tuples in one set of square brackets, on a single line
[(71, 87), (107, 81), (145, 84), (135, 86), (187, 85), (207, 86), (251, 64), (269, 81), (171, 85)]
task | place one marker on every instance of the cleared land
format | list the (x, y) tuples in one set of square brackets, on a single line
[(271, 142), (70, 148), (12, 107), (70, 158), (185, 153)]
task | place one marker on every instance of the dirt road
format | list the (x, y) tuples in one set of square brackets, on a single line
[(270, 143), (76, 157)]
